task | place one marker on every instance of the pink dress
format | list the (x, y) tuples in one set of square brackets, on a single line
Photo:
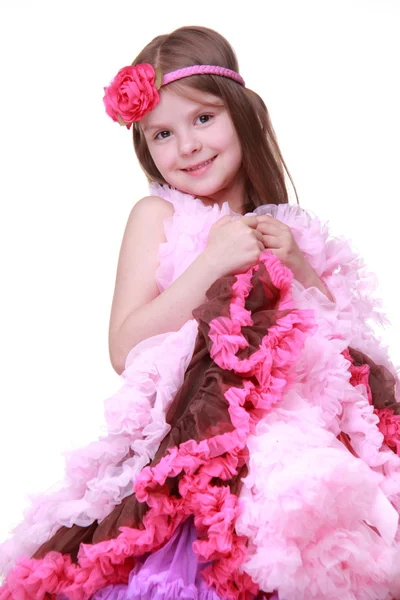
[(318, 510)]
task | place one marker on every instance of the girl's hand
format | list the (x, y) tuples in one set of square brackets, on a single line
[(234, 245), (278, 238)]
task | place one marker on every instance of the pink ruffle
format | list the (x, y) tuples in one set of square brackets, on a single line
[(304, 508), (215, 508)]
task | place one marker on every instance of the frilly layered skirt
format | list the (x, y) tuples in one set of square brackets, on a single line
[(251, 454)]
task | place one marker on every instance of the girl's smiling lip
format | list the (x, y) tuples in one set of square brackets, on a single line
[(195, 167)]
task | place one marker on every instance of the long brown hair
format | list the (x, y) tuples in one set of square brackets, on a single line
[(263, 165)]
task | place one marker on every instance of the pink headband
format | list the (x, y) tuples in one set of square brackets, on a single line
[(134, 90)]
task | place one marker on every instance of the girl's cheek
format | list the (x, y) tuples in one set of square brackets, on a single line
[(157, 156)]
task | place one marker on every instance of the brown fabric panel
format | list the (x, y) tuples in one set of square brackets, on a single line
[(199, 410), (381, 382), (263, 294), (202, 408), (67, 540)]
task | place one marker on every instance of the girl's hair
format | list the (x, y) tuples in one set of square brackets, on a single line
[(262, 163)]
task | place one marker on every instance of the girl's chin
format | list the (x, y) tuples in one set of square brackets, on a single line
[(199, 186)]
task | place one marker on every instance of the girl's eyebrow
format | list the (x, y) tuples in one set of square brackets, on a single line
[(153, 127), (190, 115)]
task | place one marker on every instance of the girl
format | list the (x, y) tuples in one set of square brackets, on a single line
[(252, 450)]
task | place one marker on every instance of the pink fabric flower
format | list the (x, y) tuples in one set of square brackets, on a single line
[(131, 94)]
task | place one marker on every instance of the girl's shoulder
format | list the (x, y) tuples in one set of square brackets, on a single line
[(152, 206)]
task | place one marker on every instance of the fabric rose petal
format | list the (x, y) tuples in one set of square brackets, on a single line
[(131, 94)]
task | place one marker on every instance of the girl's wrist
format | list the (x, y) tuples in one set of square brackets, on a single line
[(304, 273), (211, 263)]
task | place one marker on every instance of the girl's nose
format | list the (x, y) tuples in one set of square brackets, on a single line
[(189, 144)]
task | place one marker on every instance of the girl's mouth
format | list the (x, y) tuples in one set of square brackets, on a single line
[(201, 168)]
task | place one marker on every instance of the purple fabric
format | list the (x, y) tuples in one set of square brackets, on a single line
[(170, 573)]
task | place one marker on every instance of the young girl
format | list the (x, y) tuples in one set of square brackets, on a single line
[(252, 450)]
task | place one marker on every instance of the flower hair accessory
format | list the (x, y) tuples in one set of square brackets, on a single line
[(134, 90)]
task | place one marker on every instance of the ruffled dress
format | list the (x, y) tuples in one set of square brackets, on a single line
[(253, 453)]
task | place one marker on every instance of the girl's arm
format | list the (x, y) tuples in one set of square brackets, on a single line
[(138, 310), (308, 278)]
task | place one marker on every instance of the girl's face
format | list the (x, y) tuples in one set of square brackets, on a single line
[(182, 134)]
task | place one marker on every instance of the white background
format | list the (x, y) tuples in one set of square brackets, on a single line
[(327, 71)]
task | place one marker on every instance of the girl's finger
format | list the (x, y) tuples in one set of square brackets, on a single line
[(267, 219), (251, 221), (270, 227), (258, 235), (272, 242), (223, 220)]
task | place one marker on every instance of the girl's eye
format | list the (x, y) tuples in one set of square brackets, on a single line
[(206, 117), (163, 135), (157, 137)]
